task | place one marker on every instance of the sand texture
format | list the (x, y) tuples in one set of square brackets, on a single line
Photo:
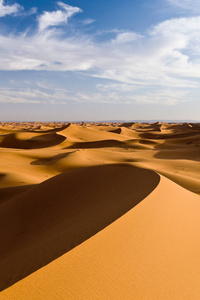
[(99, 211)]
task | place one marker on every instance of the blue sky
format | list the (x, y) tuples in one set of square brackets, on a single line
[(99, 60)]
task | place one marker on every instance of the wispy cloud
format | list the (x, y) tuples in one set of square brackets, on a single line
[(165, 57), (46, 93), (126, 37), (31, 11), (36, 95), (167, 54), (122, 87), (9, 9), (192, 5), (10, 95), (57, 17), (88, 21), (168, 97)]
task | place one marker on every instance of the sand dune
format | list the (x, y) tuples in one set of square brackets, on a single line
[(59, 214), (76, 133), (38, 141), (99, 211), (152, 252)]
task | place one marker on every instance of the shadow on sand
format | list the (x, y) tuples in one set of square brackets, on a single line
[(53, 217)]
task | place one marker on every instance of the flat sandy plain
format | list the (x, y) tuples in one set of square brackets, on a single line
[(99, 211)]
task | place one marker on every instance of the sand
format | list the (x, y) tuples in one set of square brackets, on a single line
[(99, 211)]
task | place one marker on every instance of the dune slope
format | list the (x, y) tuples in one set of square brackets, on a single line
[(51, 218), (151, 252)]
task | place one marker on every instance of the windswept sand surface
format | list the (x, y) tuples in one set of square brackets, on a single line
[(99, 211)]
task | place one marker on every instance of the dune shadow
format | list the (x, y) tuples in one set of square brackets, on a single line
[(50, 160), (167, 136), (147, 142), (57, 215), (7, 193), (192, 154), (127, 125), (98, 144), (54, 130), (40, 141), (2, 175), (185, 147), (118, 131)]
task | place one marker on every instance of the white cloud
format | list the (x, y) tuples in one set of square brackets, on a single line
[(9, 95), (166, 56), (100, 98), (166, 97), (125, 37), (32, 11), (192, 5), (36, 95), (57, 17), (88, 21), (9, 9), (169, 97), (122, 87)]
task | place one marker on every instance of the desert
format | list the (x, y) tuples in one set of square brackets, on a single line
[(99, 150), (99, 210)]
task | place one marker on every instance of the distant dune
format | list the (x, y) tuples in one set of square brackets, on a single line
[(100, 211)]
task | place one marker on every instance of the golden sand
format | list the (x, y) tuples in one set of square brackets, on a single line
[(99, 211)]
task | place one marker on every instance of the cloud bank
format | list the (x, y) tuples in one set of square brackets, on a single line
[(166, 56)]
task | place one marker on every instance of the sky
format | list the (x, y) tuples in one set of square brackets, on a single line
[(96, 60)]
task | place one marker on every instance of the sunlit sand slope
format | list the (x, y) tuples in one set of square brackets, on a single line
[(151, 252)]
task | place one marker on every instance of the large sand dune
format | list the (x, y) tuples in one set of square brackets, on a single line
[(99, 211)]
